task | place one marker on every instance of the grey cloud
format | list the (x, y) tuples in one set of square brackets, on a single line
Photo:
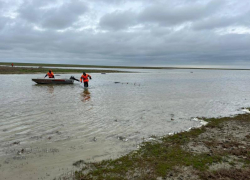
[(118, 20), (3, 22), (31, 10), (166, 15), (160, 13), (118, 2), (111, 1), (160, 32), (122, 47), (59, 17), (1, 5), (150, 44), (4, 5), (223, 21), (215, 22), (30, 13)]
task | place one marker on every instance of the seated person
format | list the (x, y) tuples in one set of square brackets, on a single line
[(50, 74)]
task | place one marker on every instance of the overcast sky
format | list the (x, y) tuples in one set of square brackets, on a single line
[(119, 32)]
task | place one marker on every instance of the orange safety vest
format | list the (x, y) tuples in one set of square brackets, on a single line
[(51, 75), (85, 78)]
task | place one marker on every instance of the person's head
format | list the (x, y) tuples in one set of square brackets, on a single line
[(84, 73), (49, 71)]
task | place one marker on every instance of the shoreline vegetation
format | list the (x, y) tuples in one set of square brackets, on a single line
[(31, 70), (218, 150), (101, 66)]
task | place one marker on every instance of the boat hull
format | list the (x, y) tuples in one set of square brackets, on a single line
[(53, 81)]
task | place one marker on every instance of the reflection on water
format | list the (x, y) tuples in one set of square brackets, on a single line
[(51, 89), (85, 95), (49, 127)]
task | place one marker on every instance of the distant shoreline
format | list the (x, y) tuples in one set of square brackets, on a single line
[(121, 67), (30, 70)]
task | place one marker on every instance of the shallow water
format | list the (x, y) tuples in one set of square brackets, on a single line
[(58, 125)]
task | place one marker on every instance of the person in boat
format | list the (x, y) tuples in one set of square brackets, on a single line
[(85, 78), (50, 74)]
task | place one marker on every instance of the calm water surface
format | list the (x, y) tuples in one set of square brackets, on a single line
[(58, 125)]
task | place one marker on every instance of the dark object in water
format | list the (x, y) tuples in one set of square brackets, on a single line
[(122, 138), (117, 82), (20, 152), (78, 163), (17, 142), (72, 77), (103, 73)]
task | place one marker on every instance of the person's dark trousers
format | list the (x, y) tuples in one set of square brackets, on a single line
[(86, 84)]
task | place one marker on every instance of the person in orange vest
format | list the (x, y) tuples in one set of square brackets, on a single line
[(50, 74), (85, 78), (12, 64)]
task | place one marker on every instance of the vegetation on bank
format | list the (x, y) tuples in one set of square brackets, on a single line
[(29, 70), (166, 157)]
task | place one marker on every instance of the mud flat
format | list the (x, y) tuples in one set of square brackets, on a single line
[(218, 150)]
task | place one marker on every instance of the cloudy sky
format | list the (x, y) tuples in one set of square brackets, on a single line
[(203, 33)]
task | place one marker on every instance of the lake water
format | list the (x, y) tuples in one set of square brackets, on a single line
[(58, 125)]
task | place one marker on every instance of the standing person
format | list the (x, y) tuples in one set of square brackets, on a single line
[(85, 77), (12, 64), (50, 74)]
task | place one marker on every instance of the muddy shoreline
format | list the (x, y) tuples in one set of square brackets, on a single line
[(218, 150)]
